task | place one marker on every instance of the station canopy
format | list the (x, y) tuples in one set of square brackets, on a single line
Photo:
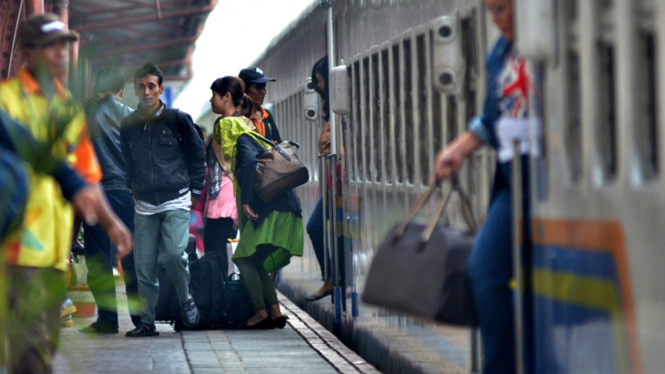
[(128, 33)]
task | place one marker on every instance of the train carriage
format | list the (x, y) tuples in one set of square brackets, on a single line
[(415, 71)]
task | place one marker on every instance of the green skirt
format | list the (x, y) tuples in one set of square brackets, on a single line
[(283, 230)]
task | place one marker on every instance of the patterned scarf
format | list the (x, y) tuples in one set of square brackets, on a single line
[(227, 132)]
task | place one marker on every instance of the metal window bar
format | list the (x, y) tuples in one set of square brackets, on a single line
[(410, 124)]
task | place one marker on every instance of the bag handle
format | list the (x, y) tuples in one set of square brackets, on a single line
[(276, 147), (466, 210)]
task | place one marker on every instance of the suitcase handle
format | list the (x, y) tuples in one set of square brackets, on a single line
[(467, 212)]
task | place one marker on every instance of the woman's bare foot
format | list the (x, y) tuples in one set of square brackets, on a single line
[(275, 312), (258, 317)]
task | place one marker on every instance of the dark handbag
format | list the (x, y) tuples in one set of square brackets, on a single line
[(421, 270), (278, 170)]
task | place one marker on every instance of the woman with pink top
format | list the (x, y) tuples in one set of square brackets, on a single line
[(220, 211)]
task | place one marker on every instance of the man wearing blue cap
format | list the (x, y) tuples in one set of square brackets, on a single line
[(255, 88)]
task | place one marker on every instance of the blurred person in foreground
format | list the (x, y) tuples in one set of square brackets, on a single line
[(104, 118), (37, 253), (504, 116), (166, 169)]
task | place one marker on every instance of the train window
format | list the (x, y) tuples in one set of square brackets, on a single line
[(367, 144), (451, 119), (397, 113), (408, 109), (358, 125), (573, 134), (385, 117), (437, 112), (350, 147), (647, 122), (423, 99), (607, 131), (469, 50), (571, 7), (437, 125), (376, 102)]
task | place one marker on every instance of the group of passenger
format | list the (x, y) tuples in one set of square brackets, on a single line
[(132, 176), (140, 172)]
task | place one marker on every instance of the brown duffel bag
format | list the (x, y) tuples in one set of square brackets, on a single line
[(421, 269), (278, 170)]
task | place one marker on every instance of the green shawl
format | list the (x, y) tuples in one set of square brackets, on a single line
[(227, 132)]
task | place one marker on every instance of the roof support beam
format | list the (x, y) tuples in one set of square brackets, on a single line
[(147, 47), (192, 11)]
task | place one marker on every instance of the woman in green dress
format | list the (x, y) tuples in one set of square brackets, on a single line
[(270, 233)]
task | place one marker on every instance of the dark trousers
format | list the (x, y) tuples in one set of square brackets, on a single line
[(100, 258), (491, 269), (255, 278), (315, 231), (217, 233), (33, 319)]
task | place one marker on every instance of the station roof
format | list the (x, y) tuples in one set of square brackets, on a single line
[(128, 33)]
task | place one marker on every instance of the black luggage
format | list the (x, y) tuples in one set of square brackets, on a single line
[(238, 307), (206, 285), (223, 303)]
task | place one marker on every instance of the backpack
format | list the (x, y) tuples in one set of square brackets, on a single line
[(238, 306), (223, 302), (176, 126)]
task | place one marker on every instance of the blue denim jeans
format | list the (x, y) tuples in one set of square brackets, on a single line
[(164, 236), (315, 231), (491, 269)]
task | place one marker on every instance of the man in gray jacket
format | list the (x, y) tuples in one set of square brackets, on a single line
[(104, 118)]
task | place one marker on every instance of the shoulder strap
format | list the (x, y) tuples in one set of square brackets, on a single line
[(176, 126), (172, 122), (260, 139)]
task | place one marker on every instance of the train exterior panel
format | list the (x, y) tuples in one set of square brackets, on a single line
[(597, 183), (598, 191), (398, 121)]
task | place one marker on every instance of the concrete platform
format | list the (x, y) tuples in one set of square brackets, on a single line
[(303, 346)]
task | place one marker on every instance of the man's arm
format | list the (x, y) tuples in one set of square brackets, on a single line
[(87, 200), (127, 153), (246, 168), (194, 155), (18, 140), (273, 128)]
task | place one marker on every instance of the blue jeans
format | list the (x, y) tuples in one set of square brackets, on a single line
[(165, 236), (100, 259), (315, 231), (491, 269)]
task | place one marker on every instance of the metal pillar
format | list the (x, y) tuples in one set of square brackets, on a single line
[(62, 8), (34, 7), (518, 273)]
